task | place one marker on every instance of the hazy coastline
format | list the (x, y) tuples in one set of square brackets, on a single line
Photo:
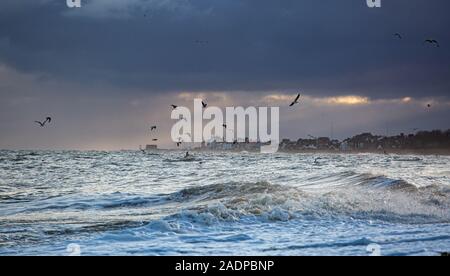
[(419, 152)]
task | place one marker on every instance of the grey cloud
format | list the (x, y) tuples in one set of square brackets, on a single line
[(325, 46), (119, 9), (107, 58), (91, 120)]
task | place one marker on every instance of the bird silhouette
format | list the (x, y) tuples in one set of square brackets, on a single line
[(399, 36), (42, 124), (204, 104), (295, 101), (179, 144), (433, 42), (174, 106), (155, 140), (224, 126), (152, 128), (428, 105)]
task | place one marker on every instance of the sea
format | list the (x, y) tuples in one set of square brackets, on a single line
[(68, 203)]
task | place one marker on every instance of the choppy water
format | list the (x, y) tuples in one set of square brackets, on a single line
[(222, 204)]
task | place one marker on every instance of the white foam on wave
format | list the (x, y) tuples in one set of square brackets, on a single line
[(365, 196)]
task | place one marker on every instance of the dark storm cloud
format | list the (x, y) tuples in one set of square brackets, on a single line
[(329, 47), (107, 71)]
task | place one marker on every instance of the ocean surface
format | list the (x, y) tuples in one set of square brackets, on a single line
[(130, 203)]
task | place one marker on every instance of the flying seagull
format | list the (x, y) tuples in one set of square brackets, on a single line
[(180, 141), (295, 101), (42, 124), (174, 106), (399, 36), (432, 41), (204, 104), (152, 128), (224, 126)]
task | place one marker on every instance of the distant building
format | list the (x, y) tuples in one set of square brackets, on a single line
[(151, 147), (366, 142), (323, 143), (234, 146), (344, 146)]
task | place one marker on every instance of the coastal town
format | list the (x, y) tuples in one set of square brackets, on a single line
[(435, 142), (422, 140)]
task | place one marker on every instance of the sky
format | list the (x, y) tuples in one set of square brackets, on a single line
[(109, 70)]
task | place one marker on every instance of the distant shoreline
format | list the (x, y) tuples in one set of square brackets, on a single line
[(423, 152), (419, 152)]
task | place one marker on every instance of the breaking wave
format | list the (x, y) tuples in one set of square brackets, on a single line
[(130, 203), (364, 197), (348, 194)]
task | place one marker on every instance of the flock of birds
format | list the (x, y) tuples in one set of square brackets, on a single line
[(428, 41), (296, 101), (154, 128), (205, 105)]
